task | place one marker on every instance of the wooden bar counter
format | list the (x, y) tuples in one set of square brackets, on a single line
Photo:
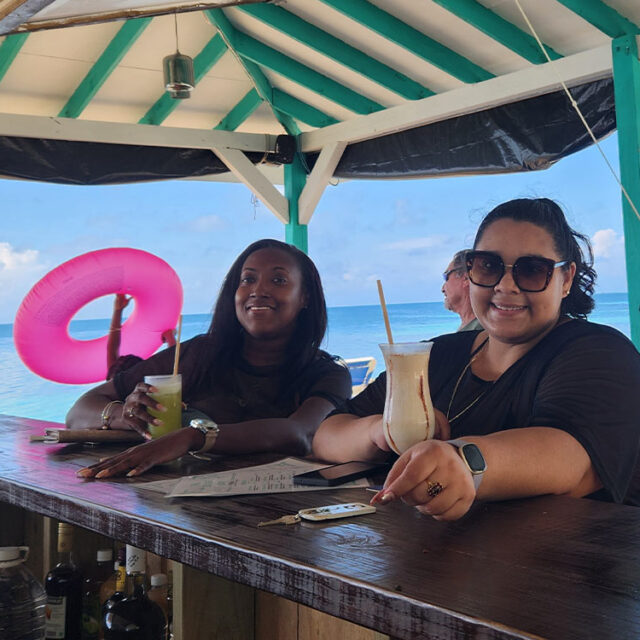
[(543, 568)]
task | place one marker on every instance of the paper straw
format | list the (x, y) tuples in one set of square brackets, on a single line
[(384, 312), (176, 359)]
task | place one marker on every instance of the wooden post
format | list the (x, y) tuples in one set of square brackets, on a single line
[(626, 79), (295, 177)]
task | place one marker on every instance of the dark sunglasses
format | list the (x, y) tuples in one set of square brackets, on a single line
[(530, 273), (446, 274)]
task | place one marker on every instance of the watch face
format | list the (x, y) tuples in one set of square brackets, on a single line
[(203, 425), (474, 458)]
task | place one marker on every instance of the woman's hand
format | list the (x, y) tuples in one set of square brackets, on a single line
[(431, 476), (134, 412), (138, 459)]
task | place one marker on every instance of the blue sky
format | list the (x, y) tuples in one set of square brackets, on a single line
[(403, 232)]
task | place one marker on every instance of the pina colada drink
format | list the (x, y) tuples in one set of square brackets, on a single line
[(408, 412), (169, 394)]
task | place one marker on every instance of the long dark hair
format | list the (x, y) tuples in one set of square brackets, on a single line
[(226, 334), (548, 215)]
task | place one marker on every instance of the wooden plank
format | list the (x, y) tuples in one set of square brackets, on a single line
[(276, 618), (207, 607), (315, 625)]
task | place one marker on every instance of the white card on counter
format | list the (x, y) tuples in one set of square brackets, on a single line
[(276, 477)]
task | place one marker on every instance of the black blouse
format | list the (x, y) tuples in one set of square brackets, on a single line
[(246, 392), (581, 378)]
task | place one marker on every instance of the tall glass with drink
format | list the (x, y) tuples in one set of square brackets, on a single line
[(169, 394), (408, 415)]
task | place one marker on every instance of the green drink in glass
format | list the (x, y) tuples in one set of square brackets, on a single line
[(169, 394)]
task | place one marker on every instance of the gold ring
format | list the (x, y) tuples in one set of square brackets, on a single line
[(129, 413), (434, 489)]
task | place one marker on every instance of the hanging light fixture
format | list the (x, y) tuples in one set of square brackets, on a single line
[(179, 79)]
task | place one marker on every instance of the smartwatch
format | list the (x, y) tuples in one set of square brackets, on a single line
[(209, 429), (472, 457)]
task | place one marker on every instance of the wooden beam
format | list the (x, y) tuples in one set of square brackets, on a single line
[(317, 181), (519, 85), (247, 172), (18, 12), (116, 15), (118, 133)]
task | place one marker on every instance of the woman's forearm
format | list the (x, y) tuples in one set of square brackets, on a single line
[(292, 435), (345, 437), (87, 411), (534, 461)]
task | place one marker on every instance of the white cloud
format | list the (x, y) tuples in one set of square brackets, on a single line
[(12, 260), (19, 271), (204, 224), (607, 244)]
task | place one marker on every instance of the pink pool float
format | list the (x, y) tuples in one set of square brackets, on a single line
[(41, 326)]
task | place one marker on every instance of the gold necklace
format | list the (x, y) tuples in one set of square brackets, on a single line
[(472, 359)]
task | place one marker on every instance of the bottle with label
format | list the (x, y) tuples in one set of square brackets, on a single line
[(135, 617), (63, 585), (22, 598), (91, 605)]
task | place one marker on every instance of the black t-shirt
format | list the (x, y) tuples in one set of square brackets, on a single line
[(582, 378), (246, 392)]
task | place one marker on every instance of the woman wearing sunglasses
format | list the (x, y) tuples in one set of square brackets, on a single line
[(539, 402)]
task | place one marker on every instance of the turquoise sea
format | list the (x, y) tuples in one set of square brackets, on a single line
[(353, 332)]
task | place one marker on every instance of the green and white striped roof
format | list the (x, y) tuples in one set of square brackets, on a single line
[(333, 70)]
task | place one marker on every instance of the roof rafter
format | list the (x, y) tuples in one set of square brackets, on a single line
[(602, 17), (301, 110), (240, 112), (265, 56), (9, 50), (499, 29), (19, 11), (332, 47), (165, 104), (262, 85), (128, 33), (411, 39)]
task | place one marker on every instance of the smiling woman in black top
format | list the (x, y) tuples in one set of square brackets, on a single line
[(258, 372), (548, 399)]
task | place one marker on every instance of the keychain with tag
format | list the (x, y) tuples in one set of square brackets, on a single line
[(330, 512)]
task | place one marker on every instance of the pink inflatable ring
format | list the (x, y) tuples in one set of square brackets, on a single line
[(41, 327)]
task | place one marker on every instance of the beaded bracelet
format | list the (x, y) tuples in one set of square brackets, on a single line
[(106, 416)]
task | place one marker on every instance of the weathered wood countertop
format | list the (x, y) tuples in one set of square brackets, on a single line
[(549, 567)]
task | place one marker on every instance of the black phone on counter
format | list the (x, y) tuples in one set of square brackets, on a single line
[(339, 473)]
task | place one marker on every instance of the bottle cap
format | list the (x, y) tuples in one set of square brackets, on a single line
[(104, 555), (159, 579), (136, 561)]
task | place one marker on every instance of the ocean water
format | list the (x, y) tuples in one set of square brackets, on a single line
[(353, 332)]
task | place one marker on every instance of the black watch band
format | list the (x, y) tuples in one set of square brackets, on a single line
[(472, 457)]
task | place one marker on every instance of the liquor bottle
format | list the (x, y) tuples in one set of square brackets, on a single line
[(159, 593), (109, 586), (63, 585), (91, 605), (119, 593), (135, 617)]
